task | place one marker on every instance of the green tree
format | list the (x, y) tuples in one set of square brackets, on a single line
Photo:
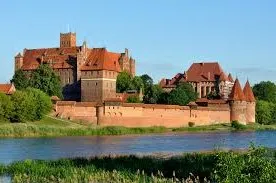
[(42, 102), (5, 107), (147, 80), (20, 80), (265, 90), (123, 82), (137, 83), (45, 79), (263, 112), (152, 94), (182, 95)]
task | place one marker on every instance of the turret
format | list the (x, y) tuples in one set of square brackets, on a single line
[(18, 61), (250, 103), (237, 103), (67, 40)]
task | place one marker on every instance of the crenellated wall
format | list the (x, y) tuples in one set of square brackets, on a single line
[(144, 115)]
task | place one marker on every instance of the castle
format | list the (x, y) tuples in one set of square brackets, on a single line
[(240, 106), (205, 77), (87, 74)]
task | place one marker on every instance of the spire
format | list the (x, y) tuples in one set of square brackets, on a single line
[(18, 55), (248, 93), (237, 93), (230, 78)]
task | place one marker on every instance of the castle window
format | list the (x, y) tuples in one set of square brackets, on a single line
[(96, 83)]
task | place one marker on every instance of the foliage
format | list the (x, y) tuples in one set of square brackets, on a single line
[(264, 112), (265, 90), (236, 125), (20, 80), (133, 99), (191, 124), (45, 79), (182, 95), (147, 80), (123, 82), (5, 106), (27, 105), (213, 95), (42, 103), (126, 82), (254, 166), (152, 95)]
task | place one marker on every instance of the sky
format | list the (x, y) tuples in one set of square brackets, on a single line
[(164, 37)]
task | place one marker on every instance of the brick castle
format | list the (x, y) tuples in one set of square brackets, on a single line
[(87, 74)]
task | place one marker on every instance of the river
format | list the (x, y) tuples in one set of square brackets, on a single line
[(14, 149)]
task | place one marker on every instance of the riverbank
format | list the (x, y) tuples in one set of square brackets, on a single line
[(51, 127), (256, 165)]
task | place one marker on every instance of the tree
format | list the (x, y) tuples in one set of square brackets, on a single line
[(147, 80), (263, 112), (265, 90), (5, 106), (182, 95), (42, 102), (152, 95), (20, 80), (45, 79), (137, 83), (123, 82)]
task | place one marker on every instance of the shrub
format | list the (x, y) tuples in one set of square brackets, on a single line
[(191, 124), (5, 106), (133, 99), (237, 125)]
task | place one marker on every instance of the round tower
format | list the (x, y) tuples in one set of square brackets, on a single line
[(238, 104), (18, 61), (250, 103)]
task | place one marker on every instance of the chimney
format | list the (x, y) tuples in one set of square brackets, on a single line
[(126, 52)]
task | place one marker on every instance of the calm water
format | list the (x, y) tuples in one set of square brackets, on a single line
[(61, 147)]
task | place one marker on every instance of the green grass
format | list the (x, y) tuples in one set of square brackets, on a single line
[(256, 165), (55, 127)]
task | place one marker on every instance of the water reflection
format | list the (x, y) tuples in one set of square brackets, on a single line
[(62, 147)]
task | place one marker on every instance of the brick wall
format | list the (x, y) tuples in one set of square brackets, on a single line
[(145, 115)]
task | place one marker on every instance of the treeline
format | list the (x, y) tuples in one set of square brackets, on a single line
[(265, 93), (27, 105), (153, 93)]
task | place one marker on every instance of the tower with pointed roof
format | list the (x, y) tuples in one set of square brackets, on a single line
[(237, 102), (250, 103)]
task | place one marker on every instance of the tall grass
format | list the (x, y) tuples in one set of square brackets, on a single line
[(255, 165)]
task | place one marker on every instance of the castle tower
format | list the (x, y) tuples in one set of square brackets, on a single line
[(250, 103), (237, 103), (18, 61), (67, 40)]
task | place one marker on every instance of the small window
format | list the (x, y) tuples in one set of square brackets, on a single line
[(96, 83)]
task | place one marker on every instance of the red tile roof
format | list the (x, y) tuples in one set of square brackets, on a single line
[(7, 89), (237, 93), (101, 59), (205, 72), (57, 57), (248, 93)]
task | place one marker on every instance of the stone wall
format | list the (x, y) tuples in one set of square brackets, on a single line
[(145, 115)]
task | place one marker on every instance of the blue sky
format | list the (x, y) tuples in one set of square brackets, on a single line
[(164, 37)]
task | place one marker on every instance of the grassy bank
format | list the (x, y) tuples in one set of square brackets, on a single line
[(256, 165), (56, 127)]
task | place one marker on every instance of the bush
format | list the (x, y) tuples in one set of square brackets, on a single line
[(5, 106), (237, 125), (133, 99), (191, 124)]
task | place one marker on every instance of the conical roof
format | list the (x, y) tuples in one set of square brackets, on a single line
[(237, 93), (230, 78), (248, 93)]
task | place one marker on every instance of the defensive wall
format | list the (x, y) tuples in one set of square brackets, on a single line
[(143, 115)]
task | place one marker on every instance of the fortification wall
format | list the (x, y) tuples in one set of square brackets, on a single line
[(145, 115)]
